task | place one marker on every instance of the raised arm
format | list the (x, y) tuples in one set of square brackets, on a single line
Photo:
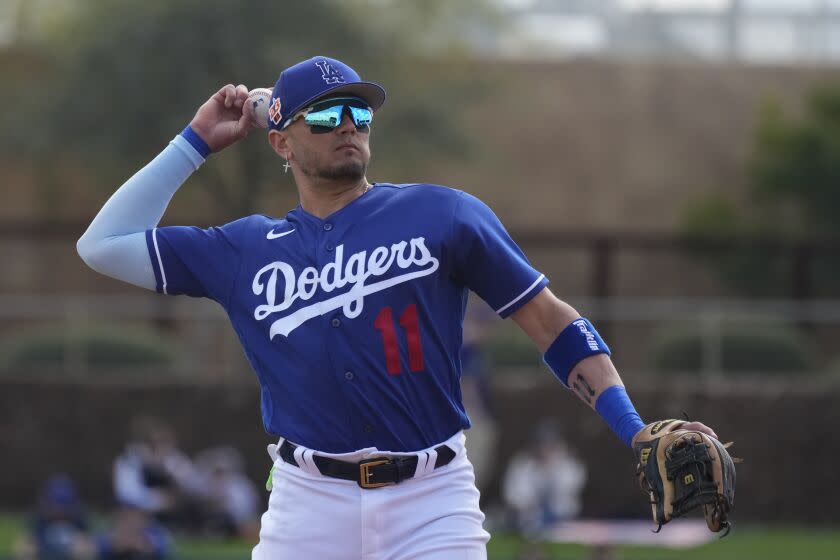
[(115, 242)]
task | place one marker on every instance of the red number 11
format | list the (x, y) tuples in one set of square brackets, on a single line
[(384, 323)]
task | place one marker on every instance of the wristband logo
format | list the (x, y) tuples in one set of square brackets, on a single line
[(590, 338)]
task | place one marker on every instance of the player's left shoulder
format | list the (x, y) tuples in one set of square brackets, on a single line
[(422, 193)]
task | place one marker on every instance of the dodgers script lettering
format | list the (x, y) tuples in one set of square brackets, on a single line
[(334, 276)]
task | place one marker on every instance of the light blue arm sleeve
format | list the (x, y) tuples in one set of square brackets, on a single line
[(115, 242)]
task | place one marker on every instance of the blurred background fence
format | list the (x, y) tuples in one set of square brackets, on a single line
[(664, 301)]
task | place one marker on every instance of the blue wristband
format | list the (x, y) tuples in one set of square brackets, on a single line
[(577, 341), (615, 408), (196, 142)]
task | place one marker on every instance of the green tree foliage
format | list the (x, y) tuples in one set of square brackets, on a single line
[(793, 195), (119, 79), (745, 259), (796, 169)]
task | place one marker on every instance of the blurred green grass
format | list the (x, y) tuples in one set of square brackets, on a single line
[(747, 543)]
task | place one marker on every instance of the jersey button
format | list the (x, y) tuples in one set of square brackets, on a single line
[(336, 322), (329, 247), (348, 375), (328, 226), (368, 428)]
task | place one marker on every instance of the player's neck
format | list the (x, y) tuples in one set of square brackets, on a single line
[(324, 198)]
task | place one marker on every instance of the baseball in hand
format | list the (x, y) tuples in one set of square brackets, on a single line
[(260, 99)]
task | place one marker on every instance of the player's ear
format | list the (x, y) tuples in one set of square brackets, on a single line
[(280, 144)]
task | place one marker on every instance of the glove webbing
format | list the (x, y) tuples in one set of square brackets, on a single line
[(688, 465)]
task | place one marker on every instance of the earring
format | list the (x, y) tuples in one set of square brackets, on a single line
[(286, 166)]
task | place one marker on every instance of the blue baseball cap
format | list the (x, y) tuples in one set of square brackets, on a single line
[(304, 83)]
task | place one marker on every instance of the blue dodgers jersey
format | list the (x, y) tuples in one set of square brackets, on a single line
[(353, 323)]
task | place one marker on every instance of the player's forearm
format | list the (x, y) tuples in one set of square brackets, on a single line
[(114, 243), (596, 382), (543, 319), (592, 376), (578, 356), (594, 379)]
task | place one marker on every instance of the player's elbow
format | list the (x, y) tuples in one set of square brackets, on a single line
[(123, 257), (85, 249), (90, 252)]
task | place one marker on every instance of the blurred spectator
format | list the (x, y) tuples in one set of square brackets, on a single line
[(229, 503), (543, 483), (59, 529), (152, 474), (476, 392), (135, 535)]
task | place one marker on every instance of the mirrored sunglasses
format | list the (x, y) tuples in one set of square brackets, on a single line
[(326, 115)]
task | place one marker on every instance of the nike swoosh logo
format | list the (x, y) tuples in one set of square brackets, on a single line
[(272, 235)]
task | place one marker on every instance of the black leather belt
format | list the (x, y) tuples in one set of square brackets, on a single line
[(370, 473)]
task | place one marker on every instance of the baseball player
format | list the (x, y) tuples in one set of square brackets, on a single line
[(349, 309)]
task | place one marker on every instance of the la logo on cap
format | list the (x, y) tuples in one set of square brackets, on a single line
[(329, 73)]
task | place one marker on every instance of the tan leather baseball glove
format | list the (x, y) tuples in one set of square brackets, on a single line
[(682, 470)]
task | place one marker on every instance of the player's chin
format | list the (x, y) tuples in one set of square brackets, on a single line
[(351, 169)]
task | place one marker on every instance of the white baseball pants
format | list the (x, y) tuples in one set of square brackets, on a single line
[(432, 516)]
